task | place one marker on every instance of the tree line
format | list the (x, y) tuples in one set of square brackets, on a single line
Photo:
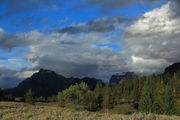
[(154, 94)]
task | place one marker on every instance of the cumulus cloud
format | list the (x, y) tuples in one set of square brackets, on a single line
[(25, 74), (153, 40)]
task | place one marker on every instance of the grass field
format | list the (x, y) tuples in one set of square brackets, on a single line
[(22, 111), (178, 107)]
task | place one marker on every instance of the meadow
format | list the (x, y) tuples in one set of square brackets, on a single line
[(50, 111)]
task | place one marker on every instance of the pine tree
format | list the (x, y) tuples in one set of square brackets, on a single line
[(159, 98), (135, 91), (29, 97), (169, 107), (107, 98), (91, 102), (98, 94), (147, 97)]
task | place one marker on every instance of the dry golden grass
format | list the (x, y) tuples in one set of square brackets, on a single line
[(178, 107), (22, 111)]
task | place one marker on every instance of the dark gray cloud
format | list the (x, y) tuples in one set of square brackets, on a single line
[(18, 6), (9, 41), (175, 7), (98, 25), (108, 5), (8, 78)]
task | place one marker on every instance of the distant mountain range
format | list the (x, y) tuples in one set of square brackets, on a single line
[(48, 83), (117, 79)]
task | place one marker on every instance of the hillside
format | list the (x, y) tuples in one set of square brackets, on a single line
[(174, 68), (47, 83)]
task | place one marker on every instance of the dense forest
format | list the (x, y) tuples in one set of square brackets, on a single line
[(154, 94)]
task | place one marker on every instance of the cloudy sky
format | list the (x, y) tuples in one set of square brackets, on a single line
[(94, 38)]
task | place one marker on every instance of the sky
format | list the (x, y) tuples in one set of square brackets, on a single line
[(94, 38)]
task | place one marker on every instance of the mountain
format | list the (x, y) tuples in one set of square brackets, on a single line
[(174, 68), (117, 79), (47, 83)]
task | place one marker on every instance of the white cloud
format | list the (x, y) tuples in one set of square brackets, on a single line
[(25, 74), (152, 42), (14, 64), (1, 30)]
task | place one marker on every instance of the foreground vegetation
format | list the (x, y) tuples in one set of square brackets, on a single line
[(49, 111), (156, 94)]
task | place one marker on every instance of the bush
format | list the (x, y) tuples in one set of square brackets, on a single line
[(52, 99), (9, 97), (29, 97), (40, 99)]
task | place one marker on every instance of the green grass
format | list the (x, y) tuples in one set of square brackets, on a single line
[(22, 111)]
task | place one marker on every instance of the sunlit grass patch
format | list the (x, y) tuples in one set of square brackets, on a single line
[(22, 111)]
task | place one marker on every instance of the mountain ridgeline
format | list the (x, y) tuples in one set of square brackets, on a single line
[(174, 68), (47, 83)]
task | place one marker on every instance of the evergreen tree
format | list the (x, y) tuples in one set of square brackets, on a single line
[(159, 98), (169, 107), (29, 97), (107, 98), (98, 94), (116, 95), (136, 90), (1, 94), (147, 97), (91, 101)]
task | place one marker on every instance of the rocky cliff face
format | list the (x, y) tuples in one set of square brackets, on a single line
[(117, 79), (47, 83)]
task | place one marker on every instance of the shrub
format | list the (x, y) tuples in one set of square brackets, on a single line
[(29, 97)]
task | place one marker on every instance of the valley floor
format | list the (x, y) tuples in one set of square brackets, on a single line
[(22, 111)]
